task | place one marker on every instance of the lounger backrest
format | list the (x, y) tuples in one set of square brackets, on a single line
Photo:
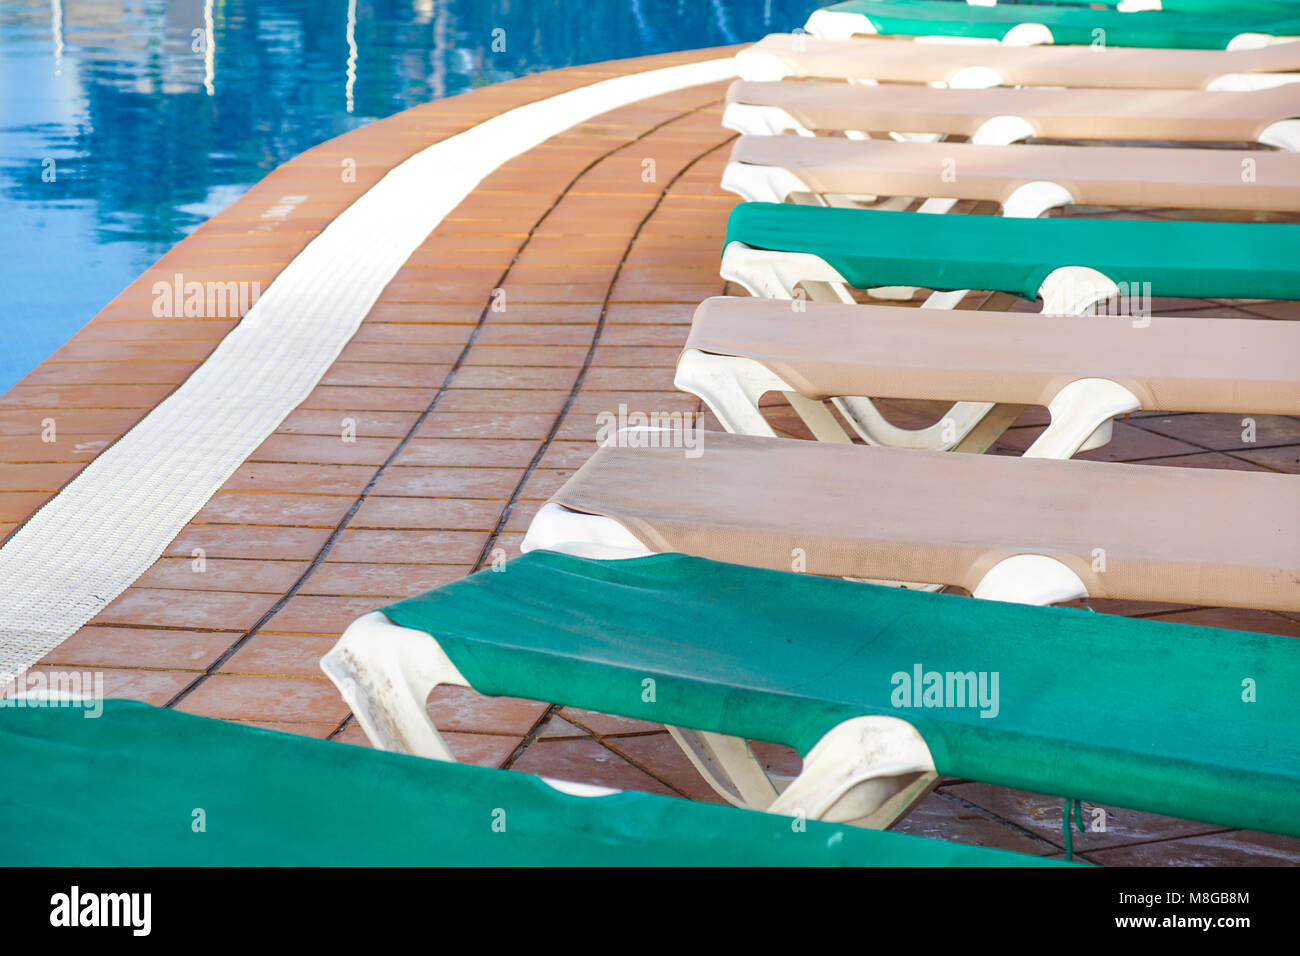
[(1120, 711), (1069, 25), (1174, 115), (1246, 366), (1115, 67), (78, 792), (1131, 176), (1140, 532), (872, 248)]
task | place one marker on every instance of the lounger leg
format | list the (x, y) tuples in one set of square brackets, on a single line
[(556, 528), (1284, 135), (732, 386), (1075, 290), (868, 422), (1082, 416), (1030, 579), (728, 765), (776, 275), (868, 771), (755, 183), (386, 673), (762, 120)]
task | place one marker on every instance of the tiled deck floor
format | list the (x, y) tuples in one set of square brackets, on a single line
[(466, 417)]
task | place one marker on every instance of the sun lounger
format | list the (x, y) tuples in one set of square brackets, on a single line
[(1025, 181), (1023, 25), (1084, 369), (963, 65), (1001, 115), (772, 248), (1031, 530), (140, 785), (1112, 710)]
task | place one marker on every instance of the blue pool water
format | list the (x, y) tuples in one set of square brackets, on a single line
[(118, 137)]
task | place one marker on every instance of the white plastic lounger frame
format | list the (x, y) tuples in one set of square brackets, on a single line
[(839, 24), (761, 66), (867, 770), (1068, 290), (754, 119)]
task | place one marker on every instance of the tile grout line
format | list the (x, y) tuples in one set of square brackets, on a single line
[(406, 439), (578, 381)]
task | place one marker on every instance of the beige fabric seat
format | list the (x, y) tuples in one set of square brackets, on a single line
[(792, 55), (1003, 115), (1085, 369), (1067, 528), (772, 168)]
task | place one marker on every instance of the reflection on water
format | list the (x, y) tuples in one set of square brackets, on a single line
[(126, 123)]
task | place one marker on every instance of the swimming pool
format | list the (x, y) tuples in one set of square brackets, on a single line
[(123, 127)]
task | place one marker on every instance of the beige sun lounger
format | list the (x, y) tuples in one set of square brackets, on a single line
[(1084, 369), (1025, 181), (1034, 531), (964, 65), (1001, 115)]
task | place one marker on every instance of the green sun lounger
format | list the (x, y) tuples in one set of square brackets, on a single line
[(140, 785), (1018, 23), (878, 688), (772, 247)]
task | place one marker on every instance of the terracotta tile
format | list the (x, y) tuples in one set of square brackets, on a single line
[(280, 655), (461, 709), (242, 507), (497, 453), (304, 421), (1286, 459), (222, 574), (1225, 432), (483, 750), (243, 541), (198, 610), (586, 761), (318, 729), (155, 687), (136, 647), (372, 398), (1230, 848), (407, 547), (660, 754), (315, 479), (1042, 816), (253, 698), (515, 377), (312, 614), (37, 477), (449, 514), (1241, 619), (380, 580), (325, 450), (450, 482), (15, 506), (515, 425), (535, 401), (940, 818)]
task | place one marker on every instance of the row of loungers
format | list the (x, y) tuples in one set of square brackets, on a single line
[(787, 591)]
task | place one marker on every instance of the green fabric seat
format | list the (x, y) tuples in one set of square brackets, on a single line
[(1115, 710), (871, 248), (1069, 25), (121, 789)]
